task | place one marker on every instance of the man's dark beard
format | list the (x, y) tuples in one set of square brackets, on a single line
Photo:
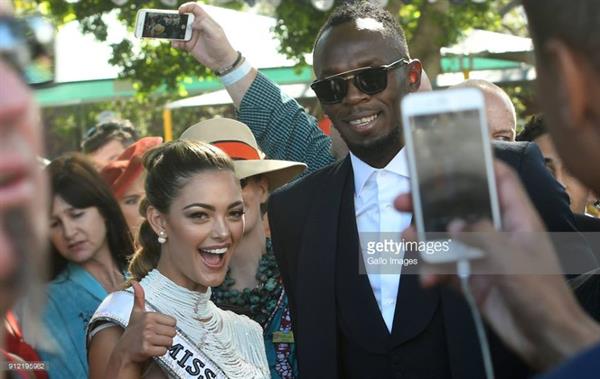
[(380, 149), (19, 230)]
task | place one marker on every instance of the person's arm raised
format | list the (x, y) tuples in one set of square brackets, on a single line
[(210, 46), (283, 129)]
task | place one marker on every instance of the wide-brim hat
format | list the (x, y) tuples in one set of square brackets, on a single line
[(237, 141)]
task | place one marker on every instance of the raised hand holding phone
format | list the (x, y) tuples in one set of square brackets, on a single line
[(208, 42), (164, 24), (211, 48)]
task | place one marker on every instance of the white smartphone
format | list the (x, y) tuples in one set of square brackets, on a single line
[(156, 23), (451, 166)]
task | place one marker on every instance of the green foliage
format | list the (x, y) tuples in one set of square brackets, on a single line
[(297, 25), (408, 17), (467, 16), (522, 96), (156, 63), (298, 22)]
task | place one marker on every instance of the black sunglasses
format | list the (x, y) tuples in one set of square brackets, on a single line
[(369, 80)]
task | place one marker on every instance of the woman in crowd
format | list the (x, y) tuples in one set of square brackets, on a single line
[(106, 141), (125, 176), (253, 284), (194, 221), (89, 245)]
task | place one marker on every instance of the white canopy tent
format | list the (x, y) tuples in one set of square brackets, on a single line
[(222, 97), (486, 44)]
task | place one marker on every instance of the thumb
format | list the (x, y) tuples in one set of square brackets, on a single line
[(403, 202), (139, 303)]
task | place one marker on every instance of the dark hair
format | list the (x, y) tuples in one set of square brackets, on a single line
[(168, 168), (534, 128), (574, 22), (352, 10), (103, 133), (75, 180)]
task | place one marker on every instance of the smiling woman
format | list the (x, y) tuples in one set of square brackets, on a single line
[(194, 221)]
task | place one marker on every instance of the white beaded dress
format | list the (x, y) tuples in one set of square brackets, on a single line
[(234, 342)]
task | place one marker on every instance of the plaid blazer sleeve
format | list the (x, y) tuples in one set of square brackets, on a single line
[(282, 128)]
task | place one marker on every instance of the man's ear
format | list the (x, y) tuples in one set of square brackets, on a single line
[(263, 184), (156, 219), (571, 74), (413, 74)]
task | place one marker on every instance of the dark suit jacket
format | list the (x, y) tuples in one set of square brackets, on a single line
[(585, 223), (304, 220), (590, 227), (587, 291)]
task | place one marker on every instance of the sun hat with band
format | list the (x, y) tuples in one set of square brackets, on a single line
[(237, 141), (122, 172)]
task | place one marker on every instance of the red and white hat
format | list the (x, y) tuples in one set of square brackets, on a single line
[(237, 141)]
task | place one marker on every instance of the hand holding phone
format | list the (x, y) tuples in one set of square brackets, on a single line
[(162, 24), (208, 42), (451, 166)]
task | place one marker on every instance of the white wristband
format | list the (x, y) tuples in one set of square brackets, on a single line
[(237, 74)]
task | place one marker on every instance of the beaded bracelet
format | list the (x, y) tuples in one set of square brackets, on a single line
[(226, 70), (237, 74)]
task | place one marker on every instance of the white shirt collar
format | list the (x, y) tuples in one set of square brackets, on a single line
[(363, 171)]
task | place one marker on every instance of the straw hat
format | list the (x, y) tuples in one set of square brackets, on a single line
[(237, 140)]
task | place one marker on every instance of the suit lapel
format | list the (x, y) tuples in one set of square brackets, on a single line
[(316, 276), (415, 306)]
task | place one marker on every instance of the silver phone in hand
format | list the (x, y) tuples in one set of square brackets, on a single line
[(451, 166)]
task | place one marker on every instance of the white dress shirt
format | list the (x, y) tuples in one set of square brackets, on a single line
[(375, 191)]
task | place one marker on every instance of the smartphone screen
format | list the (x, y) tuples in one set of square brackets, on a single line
[(451, 166), (165, 25)]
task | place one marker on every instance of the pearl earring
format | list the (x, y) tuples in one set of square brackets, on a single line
[(162, 237)]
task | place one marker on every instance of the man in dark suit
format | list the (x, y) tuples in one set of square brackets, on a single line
[(348, 325), (535, 130), (538, 315)]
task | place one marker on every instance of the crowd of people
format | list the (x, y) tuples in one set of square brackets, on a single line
[(234, 251)]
